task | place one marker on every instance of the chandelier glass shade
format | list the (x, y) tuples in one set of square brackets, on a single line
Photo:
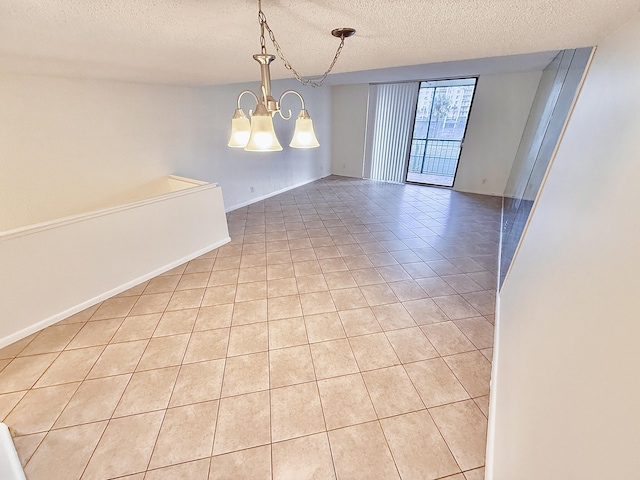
[(256, 133)]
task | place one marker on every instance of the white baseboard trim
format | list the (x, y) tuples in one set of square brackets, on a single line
[(493, 390), (35, 327), (272, 194)]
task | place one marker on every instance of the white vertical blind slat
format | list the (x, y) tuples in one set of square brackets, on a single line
[(395, 110)]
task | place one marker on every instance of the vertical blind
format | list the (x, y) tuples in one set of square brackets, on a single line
[(392, 129)]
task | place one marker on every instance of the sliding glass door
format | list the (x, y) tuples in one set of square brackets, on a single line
[(438, 133)]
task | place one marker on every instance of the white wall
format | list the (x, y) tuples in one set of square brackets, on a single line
[(498, 116), (349, 109), (67, 145), (566, 395)]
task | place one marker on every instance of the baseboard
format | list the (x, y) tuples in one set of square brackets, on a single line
[(33, 328), (491, 426), (272, 194)]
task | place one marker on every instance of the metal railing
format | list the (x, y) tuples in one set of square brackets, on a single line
[(437, 157)]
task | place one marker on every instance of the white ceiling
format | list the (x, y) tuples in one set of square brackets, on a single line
[(200, 42)]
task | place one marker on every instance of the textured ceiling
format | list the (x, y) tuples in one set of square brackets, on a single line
[(202, 42)]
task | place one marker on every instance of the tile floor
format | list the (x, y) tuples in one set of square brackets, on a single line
[(346, 331)]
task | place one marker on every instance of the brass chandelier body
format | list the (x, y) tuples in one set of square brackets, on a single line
[(256, 134)]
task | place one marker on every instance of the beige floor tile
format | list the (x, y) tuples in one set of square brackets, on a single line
[(367, 276), (484, 302), (447, 338), (221, 263), (419, 271), (305, 458), (289, 366), (8, 401), (95, 400), (4, 363), (218, 294), (462, 283), (282, 287), (163, 284), (308, 267), (207, 345), (315, 303), (303, 254), (82, 316), (473, 371), (435, 286), (26, 446), (411, 345), (176, 322), (64, 453), (382, 259), (393, 316), (357, 262), (311, 284), (478, 330), (148, 303), (198, 382), (488, 353), (117, 307), (252, 274), (360, 321), (39, 409), (183, 299), (425, 311), (70, 366), (179, 270), (284, 307), (337, 280), (483, 404), (378, 294), (464, 428), (333, 358), (324, 326), (360, 452), (373, 351), (435, 382), (345, 401), (243, 422), (274, 258), (214, 316), (394, 273), (95, 333), (456, 307), (407, 290), (287, 333), (125, 447), (245, 339), (164, 352), (392, 392), (200, 265), (137, 327), (251, 464), (147, 391), (190, 281), (280, 270), (12, 351), (295, 411), (475, 474), (23, 373), (246, 374), (196, 470), (419, 450), (254, 311), (52, 339), (348, 298), (118, 358), (253, 260), (186, 434), (246, 292)]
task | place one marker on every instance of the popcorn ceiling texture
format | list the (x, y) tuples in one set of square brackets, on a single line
[(199, 42)]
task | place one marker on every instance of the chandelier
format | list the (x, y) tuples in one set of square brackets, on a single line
[(256, 133)]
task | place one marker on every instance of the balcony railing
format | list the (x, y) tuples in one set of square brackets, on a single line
[(436, 157)]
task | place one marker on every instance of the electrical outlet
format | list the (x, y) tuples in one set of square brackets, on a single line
[(251, 188)]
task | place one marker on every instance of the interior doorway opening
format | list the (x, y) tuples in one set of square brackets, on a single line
[(441, 118)]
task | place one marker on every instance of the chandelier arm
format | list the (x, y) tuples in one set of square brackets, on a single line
[(242, 93), (304, 81)]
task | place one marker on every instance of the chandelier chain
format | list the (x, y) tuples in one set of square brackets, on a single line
[(305, 81)]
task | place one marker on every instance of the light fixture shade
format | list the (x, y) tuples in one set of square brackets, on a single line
[(263, 136), (240, 130), (303, 135)]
